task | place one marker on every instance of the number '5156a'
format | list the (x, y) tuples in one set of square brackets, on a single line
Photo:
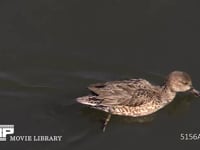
[(190, 136)]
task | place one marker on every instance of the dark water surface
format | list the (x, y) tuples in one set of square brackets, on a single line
[(50, 51)]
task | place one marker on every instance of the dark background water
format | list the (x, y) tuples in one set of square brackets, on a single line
[(50, 51)]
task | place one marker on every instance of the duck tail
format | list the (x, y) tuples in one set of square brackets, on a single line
[(89, 100)]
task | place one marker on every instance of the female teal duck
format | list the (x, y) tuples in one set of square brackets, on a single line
[(136, 97)]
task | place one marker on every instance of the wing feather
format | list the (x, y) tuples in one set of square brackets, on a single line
[(132, 92)]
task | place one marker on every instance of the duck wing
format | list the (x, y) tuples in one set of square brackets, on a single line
[(132, 92)]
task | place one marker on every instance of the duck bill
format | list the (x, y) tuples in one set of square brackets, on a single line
[(195, 92)]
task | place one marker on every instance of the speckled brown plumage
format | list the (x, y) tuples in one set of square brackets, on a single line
[(136, 97)]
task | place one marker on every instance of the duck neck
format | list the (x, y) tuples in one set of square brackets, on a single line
[(167, 93)]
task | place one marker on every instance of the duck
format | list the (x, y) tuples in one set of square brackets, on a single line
[(136, 97)]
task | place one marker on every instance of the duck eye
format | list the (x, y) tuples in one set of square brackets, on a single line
[(185, 83)]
